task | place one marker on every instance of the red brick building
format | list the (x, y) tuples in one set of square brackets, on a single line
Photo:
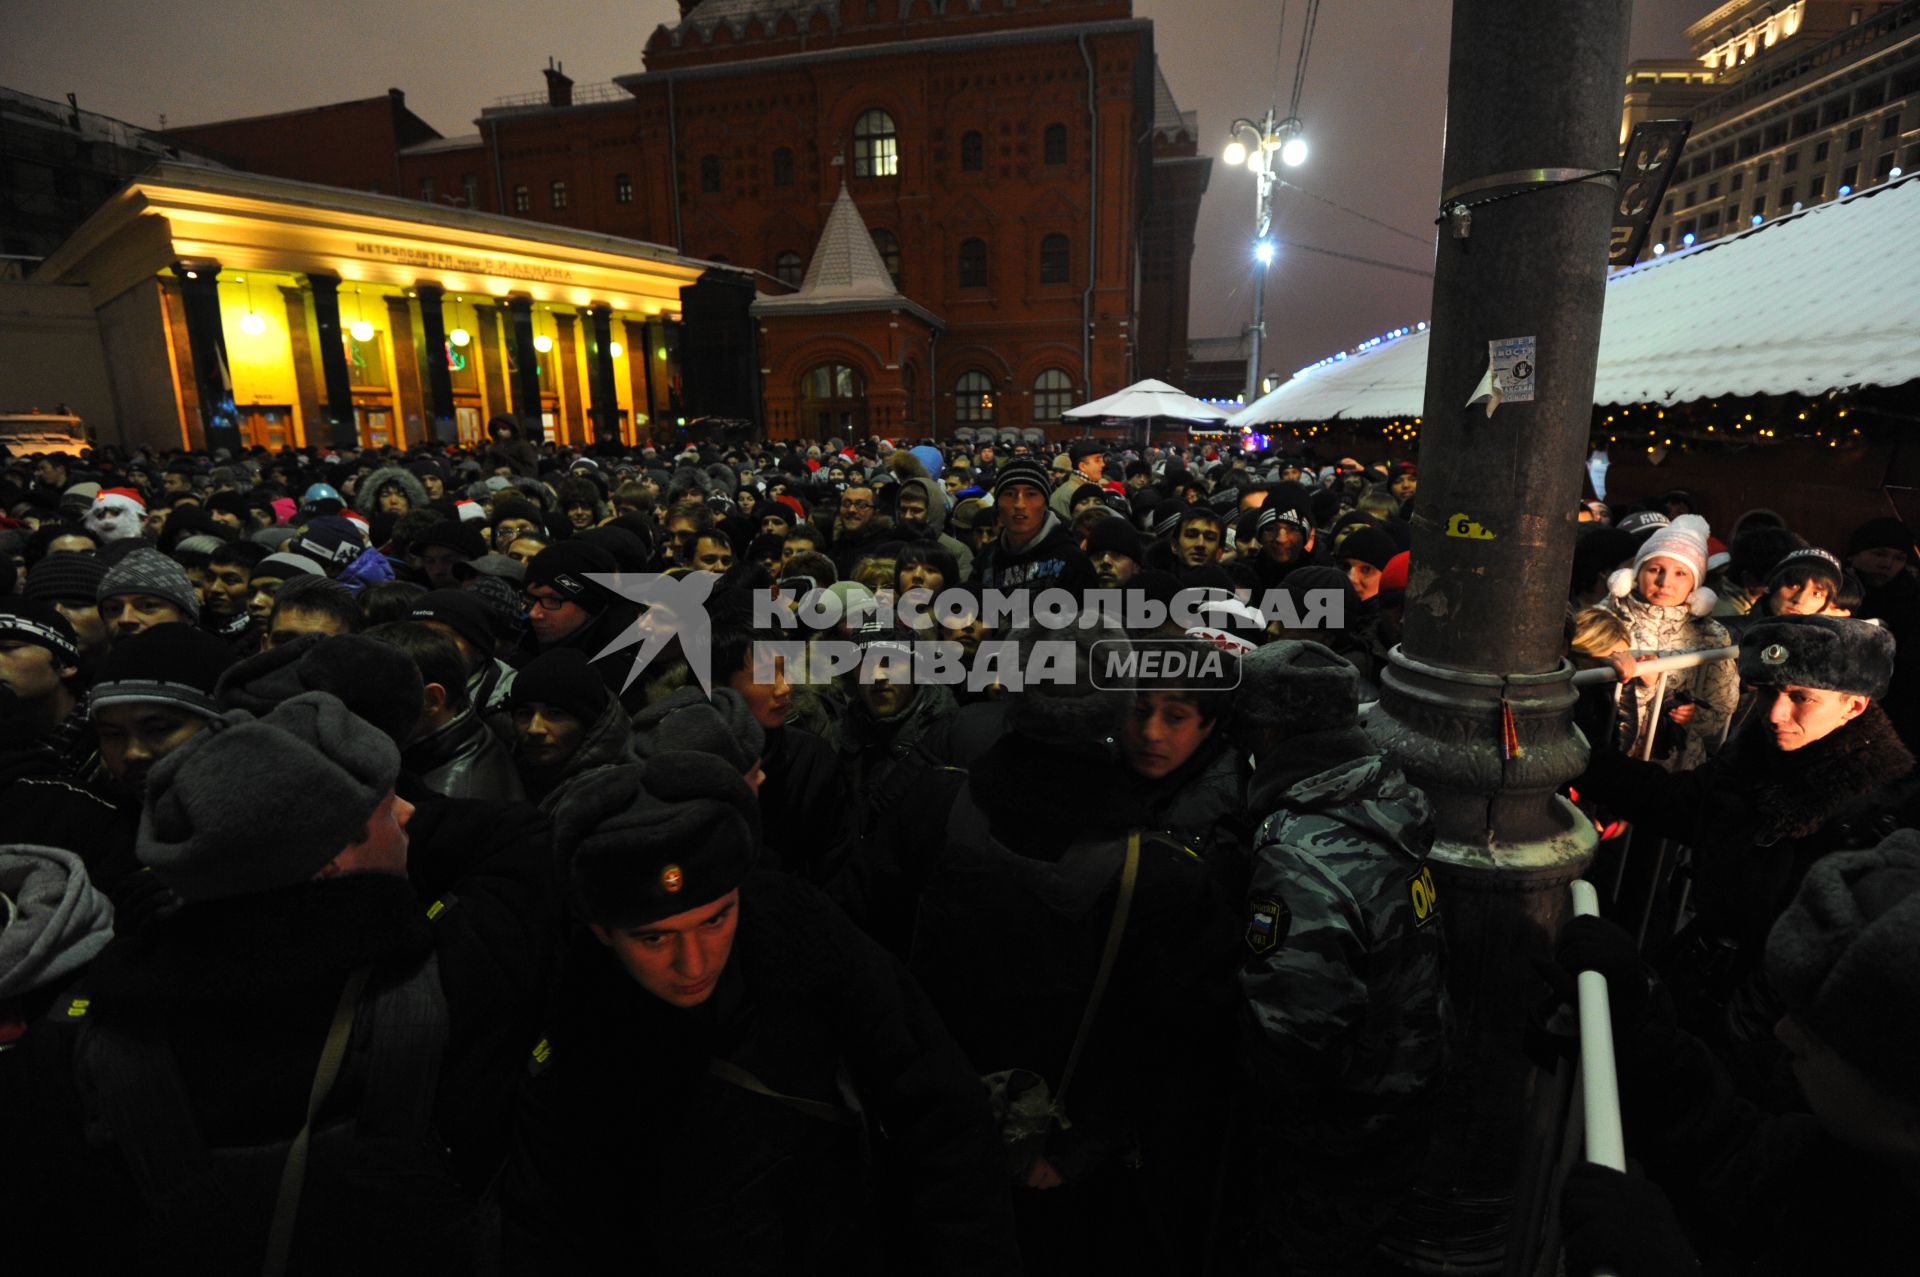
[(1022, 169)]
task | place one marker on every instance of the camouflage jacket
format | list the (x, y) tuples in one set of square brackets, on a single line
[(1342, 972)]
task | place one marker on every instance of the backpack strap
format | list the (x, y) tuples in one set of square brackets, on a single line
[(732, 1074), (1116, 930), (293, 1176)]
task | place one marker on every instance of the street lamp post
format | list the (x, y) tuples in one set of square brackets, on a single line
[(1275, 142)]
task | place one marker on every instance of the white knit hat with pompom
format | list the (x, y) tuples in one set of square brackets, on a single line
[(1684, 541)]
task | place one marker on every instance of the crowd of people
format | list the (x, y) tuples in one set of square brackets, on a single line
[(369, 907)]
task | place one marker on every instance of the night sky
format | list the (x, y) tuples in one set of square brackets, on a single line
[(1374, 108)]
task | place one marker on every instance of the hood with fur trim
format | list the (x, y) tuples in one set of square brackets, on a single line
[(364, 499)]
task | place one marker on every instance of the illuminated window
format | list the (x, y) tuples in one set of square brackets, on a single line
[(973, 400), (557, 195), (876, 145), (623, 188), (522, 200)]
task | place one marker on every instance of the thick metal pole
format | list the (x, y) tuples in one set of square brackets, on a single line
[(343, 427), (1257, 330), (207, 341), (433, 349), (1530, 87), (526, 367)]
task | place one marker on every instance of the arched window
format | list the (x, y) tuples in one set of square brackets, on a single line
[(1055, 259), (1052, 395), (973, 400), (833, 400), (788, 268), (557, 194), (888, 245), (623, 188), (876, 145), (522, 200), (710, 174), (783, 167), (973, 263), (973, 151), (1054, 146)]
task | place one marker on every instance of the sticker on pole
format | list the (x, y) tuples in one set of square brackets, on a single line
[(1511, 361)]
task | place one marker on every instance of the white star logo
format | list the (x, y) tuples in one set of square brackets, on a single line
[(670, 607)]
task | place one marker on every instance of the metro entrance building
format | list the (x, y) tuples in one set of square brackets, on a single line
[(235, 310)]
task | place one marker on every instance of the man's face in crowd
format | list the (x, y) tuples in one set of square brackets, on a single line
[(886, 692), (392, 499), (680, 534), (1404, 486), (773, 526), (226, 519), (1198, 543), (1283, 542), (546, 735), (856, 508), (197, 577), (580, 515), (172, 484), (968, 633), (1161, 734), (290, 623), (1023, 508), (87, 624), (435, 486), (1879, 565), (912, 510), (922, 576), (260, 597), (711, 553), (50, 473), (523, 549), (1664, 582), (1113, 568), (678, 959), (130, 613), (29, 672), (554, 617), (1093, 466), (769, 702), (1799, 716), (507, 531), (1802, 599), (384, 848), (72, 543), (796, 543), (1365, 578), (438, 562), (229, 586), (135, 737)]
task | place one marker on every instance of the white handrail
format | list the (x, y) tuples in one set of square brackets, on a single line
[(1657, 663)]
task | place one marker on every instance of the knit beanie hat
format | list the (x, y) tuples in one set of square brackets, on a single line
[(1683, 541), (375, 680), (652, 840), (36, 621), (563, 678), (1841, 958), (173, 665), (1295, 687), (462, 611), (333, 541), (1080, 716), (1116, 535), (1643, 523), (1832, 653), (52, 919), (453, 534), (66, 577), (264, 803), (1288, 503), (1023, 470), (282, 566), (1369, 545), (686, 721), (153, 573), (565, 568)]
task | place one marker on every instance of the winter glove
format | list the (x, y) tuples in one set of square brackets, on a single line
[(1623, 1224), (1594, 944)]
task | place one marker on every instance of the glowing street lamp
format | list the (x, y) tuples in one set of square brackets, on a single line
[(1271, 142)]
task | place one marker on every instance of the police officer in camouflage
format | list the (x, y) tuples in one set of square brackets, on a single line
[(1346, 1008)]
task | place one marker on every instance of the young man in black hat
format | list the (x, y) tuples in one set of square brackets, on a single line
[(738, 1081), (564, 721), (1034, 550), (1810, 773), (43, 720)]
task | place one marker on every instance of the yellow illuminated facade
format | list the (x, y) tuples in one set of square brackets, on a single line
[(280, 262)]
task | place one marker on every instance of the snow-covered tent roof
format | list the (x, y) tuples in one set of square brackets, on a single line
[(1813, 301), (1149, 400)]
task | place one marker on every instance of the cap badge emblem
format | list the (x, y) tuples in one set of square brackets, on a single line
[(1775, 654), (671, 879)]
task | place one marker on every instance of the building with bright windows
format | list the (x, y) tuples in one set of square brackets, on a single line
[(1792, 104), (1023, 172)]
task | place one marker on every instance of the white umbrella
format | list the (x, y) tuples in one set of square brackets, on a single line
[(1148, 401)]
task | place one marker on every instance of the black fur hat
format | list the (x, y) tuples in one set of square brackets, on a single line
[(1295, 687), (1835, 653)]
